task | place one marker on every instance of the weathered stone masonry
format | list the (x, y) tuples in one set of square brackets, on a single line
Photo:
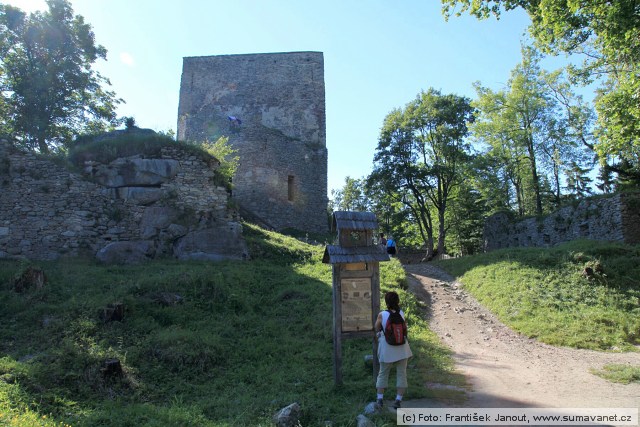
[(279, 100), (615, 218), (132, 209)]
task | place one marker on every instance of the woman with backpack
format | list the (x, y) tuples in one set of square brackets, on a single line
[(393, 348)]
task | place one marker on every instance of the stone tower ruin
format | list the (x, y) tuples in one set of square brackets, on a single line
[(272, 108)]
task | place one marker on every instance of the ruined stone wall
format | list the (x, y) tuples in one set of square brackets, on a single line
[(615, 218), (280, 134), (130, 210)]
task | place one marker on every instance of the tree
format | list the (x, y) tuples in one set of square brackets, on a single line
[(578, 181), (351, 197), (466, 216), (607, 36), (48, 87), (532, 126), (419, 152)]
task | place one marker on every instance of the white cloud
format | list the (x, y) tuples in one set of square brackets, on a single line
[(127, 59)]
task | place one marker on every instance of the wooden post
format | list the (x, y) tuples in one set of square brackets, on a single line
[(337, 327), (355, 264), (111, 368)]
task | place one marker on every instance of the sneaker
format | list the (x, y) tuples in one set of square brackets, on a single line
[(380, 403), (397, 404)]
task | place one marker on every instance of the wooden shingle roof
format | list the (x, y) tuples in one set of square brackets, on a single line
[(343, 220), (340, 255)]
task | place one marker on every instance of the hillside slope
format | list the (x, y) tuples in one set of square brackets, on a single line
[(200, 344), (583, 294)]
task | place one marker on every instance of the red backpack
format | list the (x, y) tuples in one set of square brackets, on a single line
[(395, 331)]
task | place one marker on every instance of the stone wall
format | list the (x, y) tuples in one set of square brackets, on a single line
[(616, 218), (276, 103), (132, 209)]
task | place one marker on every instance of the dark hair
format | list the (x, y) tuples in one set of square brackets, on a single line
[(393, 300)]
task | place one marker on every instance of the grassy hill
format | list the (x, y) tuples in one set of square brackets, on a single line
[(200, 344), (582, 294)]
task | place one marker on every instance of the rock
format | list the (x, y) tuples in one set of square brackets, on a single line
[(131, 252), (48, 320), (372, 408), (363, 421), (288, 416), (158, 216), (154, 219), (112, 313), (211, 245), (368, 361), (136, 172), (176, 230), (140, 195), (166, 299)]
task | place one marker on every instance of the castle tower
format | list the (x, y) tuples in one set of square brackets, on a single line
[(272, 108)]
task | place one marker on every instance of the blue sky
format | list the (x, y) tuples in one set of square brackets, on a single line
[(378, 55)]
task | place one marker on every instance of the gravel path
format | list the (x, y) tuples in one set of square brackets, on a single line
[(505, 369)]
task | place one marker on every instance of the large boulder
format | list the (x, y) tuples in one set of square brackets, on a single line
[(156, 218), (131, 252), (140, 195), (212, 244), (136, 172)]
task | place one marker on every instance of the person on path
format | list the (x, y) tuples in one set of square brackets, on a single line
[(391, 246), (391, 355)]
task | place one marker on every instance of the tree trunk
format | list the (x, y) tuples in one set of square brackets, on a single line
[(441, 231), (534, 174), (556, 177), (42, 146)]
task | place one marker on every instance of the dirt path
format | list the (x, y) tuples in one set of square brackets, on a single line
[(505, 369)]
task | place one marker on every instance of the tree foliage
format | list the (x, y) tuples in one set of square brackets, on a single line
[(352, 196), (226, 155), (607, 35), (534, 136), (418, 158), (49, 90)]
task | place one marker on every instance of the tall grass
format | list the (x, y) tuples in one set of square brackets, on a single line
[(201, 344), (583, 294)]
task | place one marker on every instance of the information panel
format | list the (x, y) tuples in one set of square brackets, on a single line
[(356, 304)]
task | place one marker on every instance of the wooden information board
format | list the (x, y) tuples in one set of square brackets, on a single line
[(356, 304)]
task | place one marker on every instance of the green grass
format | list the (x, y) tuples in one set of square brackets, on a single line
[(91, 148), (623, 374), (247, 339), (544, 293)]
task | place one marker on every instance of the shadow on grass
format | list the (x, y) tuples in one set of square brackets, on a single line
[(200, 344)]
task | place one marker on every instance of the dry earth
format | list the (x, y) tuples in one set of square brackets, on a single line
[(505, 369)]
